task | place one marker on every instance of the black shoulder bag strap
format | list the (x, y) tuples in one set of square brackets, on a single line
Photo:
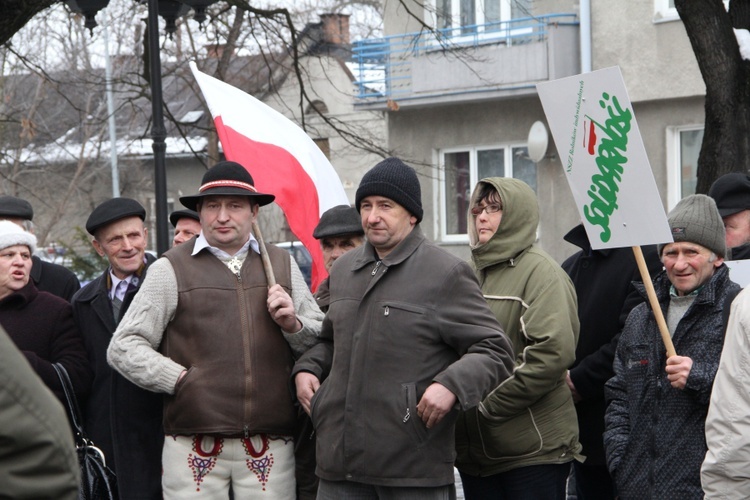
[(97, 480)]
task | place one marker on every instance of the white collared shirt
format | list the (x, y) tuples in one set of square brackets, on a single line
[(201, 242), (115, 282)]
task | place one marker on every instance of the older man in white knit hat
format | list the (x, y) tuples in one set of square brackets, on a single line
[(654, 437)]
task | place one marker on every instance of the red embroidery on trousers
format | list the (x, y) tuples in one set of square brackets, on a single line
[(204, 461)]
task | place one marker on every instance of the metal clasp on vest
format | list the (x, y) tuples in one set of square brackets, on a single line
[(387, 311), (377, 265), (407, 416)]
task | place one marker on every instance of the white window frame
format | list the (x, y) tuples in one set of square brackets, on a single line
[(674, 162), (505, 15), (439, 156), (663, 12)]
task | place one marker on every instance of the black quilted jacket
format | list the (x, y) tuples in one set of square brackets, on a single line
[(654, 438)]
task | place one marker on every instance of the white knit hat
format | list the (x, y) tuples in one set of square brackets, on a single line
[(12, 234)]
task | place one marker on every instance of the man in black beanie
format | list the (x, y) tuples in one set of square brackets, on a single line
[(408, 339)]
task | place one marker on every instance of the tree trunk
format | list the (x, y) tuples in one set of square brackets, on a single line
[(726, 142)]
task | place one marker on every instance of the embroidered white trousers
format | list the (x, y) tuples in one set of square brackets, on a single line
[(260, 466)]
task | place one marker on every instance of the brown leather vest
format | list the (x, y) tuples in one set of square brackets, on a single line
[(239, 363)]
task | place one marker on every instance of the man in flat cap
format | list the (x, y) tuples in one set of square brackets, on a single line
[(408, 339), (339, 230), (731, 192), (207, 331), (47, 276), (654, 435), (121, 418), (186, 224)]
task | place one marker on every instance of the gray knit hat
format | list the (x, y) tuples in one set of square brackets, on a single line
[(338, 221), (12, 234), (396, 180), (696, 219)]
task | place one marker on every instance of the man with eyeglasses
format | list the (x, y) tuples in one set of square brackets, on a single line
[(520, 440)]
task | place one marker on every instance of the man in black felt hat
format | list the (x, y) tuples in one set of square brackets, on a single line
[(121, 418), (186, 224), (731, 192), (208, 332), (47, 276)]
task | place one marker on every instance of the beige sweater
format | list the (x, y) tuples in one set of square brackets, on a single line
[(133, 350)]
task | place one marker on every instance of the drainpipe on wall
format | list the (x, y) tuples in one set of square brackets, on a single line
[(111, 112), (585, 30)]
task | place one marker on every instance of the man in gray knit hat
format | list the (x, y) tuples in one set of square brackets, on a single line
[(654, 437), (407, 340)]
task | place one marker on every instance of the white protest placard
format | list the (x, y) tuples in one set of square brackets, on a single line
[(602, 152), (739, 271)]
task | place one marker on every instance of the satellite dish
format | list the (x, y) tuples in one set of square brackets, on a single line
[(538, 142)]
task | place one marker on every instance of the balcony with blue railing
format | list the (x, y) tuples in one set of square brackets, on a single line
[(464, 64)]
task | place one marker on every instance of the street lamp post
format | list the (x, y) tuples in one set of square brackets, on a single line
[(158, 131), (171, 10)]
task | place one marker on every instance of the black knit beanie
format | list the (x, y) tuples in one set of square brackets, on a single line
[(396, 180)]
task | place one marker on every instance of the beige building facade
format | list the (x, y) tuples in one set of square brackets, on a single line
[(460, 102)]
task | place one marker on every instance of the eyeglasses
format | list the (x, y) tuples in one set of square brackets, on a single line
[(490, 209)]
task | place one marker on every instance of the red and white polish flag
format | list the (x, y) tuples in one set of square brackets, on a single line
[(280, 156)]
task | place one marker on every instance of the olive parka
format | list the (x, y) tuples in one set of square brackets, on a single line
[(529, 419)]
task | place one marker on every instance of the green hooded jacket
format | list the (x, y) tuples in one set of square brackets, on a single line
[(529, 419)]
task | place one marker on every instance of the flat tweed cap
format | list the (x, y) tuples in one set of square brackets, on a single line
[(338, 221), (10, 206), (113, 210), (696, 219), (227, 178), (731, 192), (175, 216), (394, 179)]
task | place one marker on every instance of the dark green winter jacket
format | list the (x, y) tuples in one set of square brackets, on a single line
[(529, 419)]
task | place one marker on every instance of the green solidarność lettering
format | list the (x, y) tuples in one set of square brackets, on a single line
[(610, 161)]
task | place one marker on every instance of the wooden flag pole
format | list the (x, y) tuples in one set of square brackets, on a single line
[(655, 307), (264, 256)]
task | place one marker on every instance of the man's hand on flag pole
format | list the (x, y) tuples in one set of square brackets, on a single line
[(281, 309)]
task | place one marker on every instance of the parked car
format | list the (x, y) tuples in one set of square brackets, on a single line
[(300, 254)]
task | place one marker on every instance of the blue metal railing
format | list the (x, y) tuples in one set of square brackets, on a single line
[(383, 65)]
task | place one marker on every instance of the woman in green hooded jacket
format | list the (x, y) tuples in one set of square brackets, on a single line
[(519, 442)]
